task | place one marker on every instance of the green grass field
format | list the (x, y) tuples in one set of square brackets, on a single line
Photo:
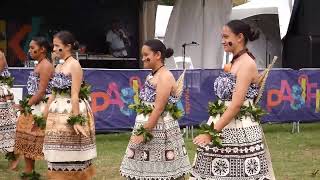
[(294, 156)]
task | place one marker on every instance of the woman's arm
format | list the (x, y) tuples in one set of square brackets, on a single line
[(46, 110), (45, 73), (244, 79), (3, 61), (163, 92), (76, 75)]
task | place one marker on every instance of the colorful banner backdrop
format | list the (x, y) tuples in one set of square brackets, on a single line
[(288, 96)]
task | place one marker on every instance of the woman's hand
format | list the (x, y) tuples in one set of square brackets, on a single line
[(202, 139), (17, 107), (79, 130), (45, 112), (137, 139)]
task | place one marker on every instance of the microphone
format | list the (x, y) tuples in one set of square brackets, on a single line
[(193, 42), (60, 50), (230, 43), (61, 61), (34, 52)]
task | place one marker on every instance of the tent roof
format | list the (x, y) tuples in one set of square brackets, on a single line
[(162, 19), (254, 7)]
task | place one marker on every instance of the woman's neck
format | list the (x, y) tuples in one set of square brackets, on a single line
[(157, 68), (42, 57), (66, 56), (237, 50)]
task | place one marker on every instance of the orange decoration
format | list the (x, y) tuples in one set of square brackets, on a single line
[(227, 67)]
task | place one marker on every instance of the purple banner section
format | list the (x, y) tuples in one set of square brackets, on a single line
[(289, 95)]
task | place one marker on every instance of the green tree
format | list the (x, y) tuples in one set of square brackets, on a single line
[(167, 2), (171, 2)]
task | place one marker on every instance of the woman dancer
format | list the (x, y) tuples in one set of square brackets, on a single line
[(69, 145), (242, 154), (7, 113), (31, 123), (156, 149)]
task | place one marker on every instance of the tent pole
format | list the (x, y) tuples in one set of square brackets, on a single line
[(203, 29)]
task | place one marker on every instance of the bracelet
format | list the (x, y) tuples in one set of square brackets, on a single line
[(7, 80), (142, 108), (39, 121), (216, 108), (252, 111), (25, 107), (76, 119), (215, 135), (147, 136)]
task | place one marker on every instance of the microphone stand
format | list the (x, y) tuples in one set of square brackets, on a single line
[(184, 51), (184, 55)]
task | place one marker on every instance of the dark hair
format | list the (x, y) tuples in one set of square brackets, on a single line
[(67, 38), (249, 33), (157, 46), (43, 42)]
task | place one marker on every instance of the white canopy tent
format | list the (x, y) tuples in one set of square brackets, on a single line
[(282, 8), (198, 21), (272, 18), (162, 20), (201, 21)]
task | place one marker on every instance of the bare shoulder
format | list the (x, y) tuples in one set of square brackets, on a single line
[(167, 76), (47, 65), (58, 68), (248, 64), (75, 64), (45, 68), (2, 57)]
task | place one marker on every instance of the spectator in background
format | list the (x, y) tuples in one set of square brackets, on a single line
[(118, 40)]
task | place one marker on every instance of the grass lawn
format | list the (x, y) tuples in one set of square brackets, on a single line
[(294, 156)]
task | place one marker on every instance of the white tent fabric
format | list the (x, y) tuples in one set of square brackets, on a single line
[(148, 20), (162, 19), (200, 21), (272, 18), (284, 11), (255, 7)]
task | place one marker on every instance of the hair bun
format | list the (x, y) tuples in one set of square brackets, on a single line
[(50, 47), (254, 34), (169, 52), (75, 45)]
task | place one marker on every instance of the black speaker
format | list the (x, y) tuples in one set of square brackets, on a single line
[(301, 52), (315, 51), (307, 17)]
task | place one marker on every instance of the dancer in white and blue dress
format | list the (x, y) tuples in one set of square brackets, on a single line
[(164, 156), (31, 124), (70, 143), (8, 116), (243, 154)]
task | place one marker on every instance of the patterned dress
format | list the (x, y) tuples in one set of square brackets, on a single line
[(243, 155), (8, 116), (69, 155), (29, 138), (165, 156)]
